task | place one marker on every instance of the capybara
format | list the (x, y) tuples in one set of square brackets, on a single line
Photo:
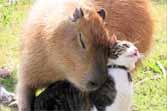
[(130, 20), (62, 39)]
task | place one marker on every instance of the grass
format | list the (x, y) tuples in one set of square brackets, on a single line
[(149, 81), (11, 17)]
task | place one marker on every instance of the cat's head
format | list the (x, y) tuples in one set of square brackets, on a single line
[(123, 53)]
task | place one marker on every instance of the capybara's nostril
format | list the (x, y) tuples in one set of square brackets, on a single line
[(93, 85)]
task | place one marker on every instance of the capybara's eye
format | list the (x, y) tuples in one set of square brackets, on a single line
[(81, 40)]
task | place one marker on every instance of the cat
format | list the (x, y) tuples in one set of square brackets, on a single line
[(122, 59), (114, 95)]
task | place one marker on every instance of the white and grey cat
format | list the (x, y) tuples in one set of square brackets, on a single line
[(114, 95), (122, 59)]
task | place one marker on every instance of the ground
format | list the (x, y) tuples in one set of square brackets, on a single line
[(150, 85)]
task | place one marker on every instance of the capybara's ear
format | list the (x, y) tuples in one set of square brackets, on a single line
[(78, 14), (102, 13)]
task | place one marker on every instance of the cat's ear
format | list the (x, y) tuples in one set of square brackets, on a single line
[(113, 39)]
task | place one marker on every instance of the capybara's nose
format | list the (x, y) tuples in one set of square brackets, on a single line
[(92, 85), (96, 82)]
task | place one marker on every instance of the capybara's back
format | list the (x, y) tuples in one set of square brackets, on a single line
[(129, 20), (62, 39)]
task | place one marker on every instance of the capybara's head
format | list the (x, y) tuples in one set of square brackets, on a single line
[(86, 49)]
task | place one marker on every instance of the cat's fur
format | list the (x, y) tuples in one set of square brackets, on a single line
[(120, 63), (63, 96)]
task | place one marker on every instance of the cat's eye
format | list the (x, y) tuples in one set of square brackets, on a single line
[(82, 44), (126, 45)]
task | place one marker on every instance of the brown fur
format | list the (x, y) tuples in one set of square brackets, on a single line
[(129, 20), (51, 51)]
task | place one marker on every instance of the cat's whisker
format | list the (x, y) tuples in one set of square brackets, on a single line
[(136, 42), (142, 56)]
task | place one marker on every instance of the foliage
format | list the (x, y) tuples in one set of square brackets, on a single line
[(160, 1), (150, 79)]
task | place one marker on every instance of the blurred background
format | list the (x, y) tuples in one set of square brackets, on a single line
[(150, 83)]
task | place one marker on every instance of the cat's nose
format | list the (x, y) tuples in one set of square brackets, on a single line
[(136, 50)]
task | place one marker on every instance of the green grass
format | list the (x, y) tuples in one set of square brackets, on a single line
[(150, 85), (149, 81), (11, 17)]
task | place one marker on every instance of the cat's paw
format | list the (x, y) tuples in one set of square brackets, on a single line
[(13, 104)]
